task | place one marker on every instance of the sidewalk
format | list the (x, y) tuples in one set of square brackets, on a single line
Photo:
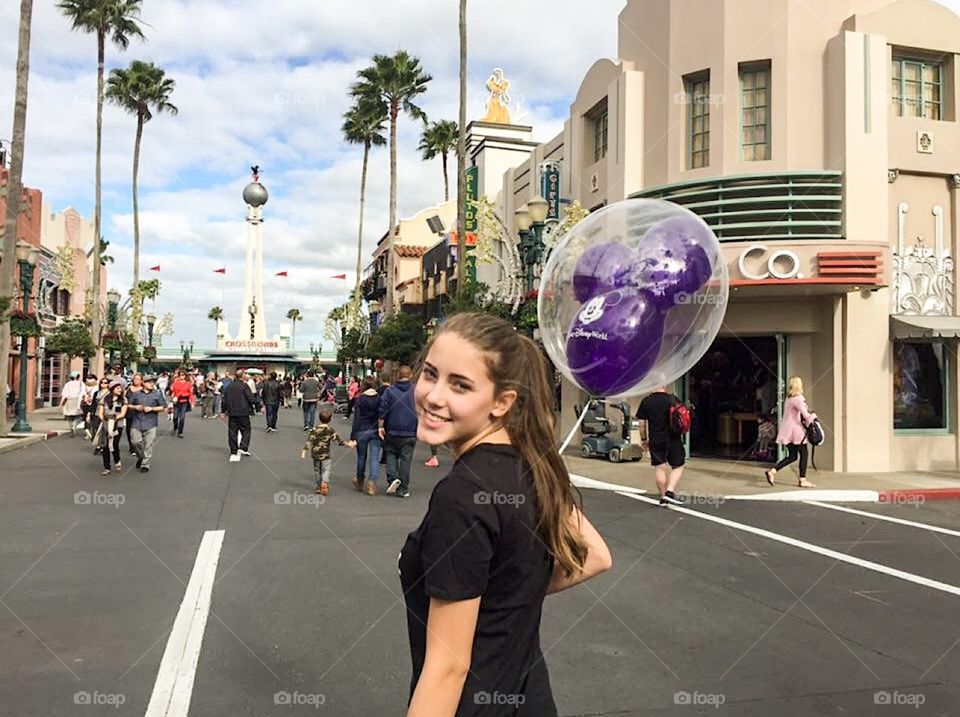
[(734, 480), (45, 422)]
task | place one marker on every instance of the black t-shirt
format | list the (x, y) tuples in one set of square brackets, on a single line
[(478, 539), (655, 410)]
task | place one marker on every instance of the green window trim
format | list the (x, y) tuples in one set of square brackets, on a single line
[(698, 120), (755, 112), (912, 80), (600, 132)]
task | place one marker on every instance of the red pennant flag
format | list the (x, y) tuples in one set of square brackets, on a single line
[(220, 271), (281, 273), (339, 276), (155, 268)]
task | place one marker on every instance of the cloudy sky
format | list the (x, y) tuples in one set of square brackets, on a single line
[(266, 83)]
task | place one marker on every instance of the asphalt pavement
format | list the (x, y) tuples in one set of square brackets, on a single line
[(726, 608)]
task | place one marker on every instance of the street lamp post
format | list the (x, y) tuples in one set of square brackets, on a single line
[(374, 315), (26, 260), (113, 298), (151, 320), (531, 220)]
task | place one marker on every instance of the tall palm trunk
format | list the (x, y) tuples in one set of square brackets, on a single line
[(293, 336), (394, 114), (363, 196), (14, 186), (462, 153), (446, 181), (95, 284), (136, 209)]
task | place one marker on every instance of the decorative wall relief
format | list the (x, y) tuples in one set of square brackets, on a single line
[(923, 276)]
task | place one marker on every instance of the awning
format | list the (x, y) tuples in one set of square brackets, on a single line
[(925, 327)]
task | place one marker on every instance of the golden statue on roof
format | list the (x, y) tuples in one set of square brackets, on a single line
[(497, 111)]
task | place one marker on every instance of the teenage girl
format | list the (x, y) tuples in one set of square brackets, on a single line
[(112, 412), (502, 531)]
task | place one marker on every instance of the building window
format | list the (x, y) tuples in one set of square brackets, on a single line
[(920, 385), (755, 111), (600, 124), (917, 87), (697, 88)]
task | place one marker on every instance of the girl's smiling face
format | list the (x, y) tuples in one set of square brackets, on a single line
[(455, 397)]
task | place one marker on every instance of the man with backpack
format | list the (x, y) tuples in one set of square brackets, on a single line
[(664, 419)]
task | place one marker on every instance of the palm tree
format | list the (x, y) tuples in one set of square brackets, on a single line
[(141, 90), (215, 315), (120, 20), (14, 184), (104, 257), (294, 315), (440, 138), (462, 149), (363, 124), (393, 83)]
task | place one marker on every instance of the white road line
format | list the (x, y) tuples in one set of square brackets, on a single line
[(174, 686), (585, 482), (889, 519), (802, 544)]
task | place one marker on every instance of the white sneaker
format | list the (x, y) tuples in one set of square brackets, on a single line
[(235, 458), (392, 488), (242, 452)]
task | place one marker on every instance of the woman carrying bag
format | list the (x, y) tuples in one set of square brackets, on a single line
[(793, 433)]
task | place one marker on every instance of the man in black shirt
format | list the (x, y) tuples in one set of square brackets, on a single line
[(270, 394), (665, 446), (239, 402)]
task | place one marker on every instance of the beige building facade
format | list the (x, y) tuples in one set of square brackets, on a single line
[(820, 142)]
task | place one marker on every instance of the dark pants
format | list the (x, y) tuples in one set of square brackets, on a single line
[(309, 413), (129, 440), (180, 416), (272, 410), (399, 452), (794, 450), (241, 424), (115, 444), (368, 441), (350, 402)]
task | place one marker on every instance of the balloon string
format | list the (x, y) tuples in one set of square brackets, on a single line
[(573, 430)]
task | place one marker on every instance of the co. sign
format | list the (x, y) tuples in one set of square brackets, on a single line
[(792, 270)]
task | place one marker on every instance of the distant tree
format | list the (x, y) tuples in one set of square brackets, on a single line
[(294, 315), (439, 139), (71, 337), (400, 337)]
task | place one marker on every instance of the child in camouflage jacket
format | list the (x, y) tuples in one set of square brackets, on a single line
[(318, 445)]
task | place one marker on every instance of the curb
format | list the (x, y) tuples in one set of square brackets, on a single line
[(907, 494), (30, 440)]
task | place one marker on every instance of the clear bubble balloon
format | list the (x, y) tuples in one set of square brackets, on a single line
[(632, 297)]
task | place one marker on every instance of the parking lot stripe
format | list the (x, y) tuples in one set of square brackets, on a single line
[(803, 545), (174, 686), (888, 518)]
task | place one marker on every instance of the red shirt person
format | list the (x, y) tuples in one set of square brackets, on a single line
[(182, 392)]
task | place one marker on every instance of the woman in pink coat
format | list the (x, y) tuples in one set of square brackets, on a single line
[(792, 433)]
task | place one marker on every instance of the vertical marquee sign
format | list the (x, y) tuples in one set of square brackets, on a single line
[(550, 188), (470, 221)]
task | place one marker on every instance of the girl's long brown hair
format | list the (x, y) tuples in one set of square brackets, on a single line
[(515, 363)]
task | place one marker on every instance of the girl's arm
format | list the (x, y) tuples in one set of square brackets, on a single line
[(450, 629), (598, 556)]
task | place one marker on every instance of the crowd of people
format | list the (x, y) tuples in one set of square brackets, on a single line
[(383, 421)]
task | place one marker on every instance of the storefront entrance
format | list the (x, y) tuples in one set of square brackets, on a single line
[(736, 391)]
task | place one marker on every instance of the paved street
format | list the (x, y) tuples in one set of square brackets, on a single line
[(306, 609)]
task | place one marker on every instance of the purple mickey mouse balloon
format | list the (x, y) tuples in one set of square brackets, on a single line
[(613, 341), (602, 268), (673, 263)]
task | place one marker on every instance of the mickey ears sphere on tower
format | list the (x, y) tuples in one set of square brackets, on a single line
[(255, 194)]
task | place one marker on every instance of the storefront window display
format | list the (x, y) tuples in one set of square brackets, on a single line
[(919, 385)]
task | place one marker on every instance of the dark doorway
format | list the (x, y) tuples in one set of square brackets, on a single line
[(734, 392)]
